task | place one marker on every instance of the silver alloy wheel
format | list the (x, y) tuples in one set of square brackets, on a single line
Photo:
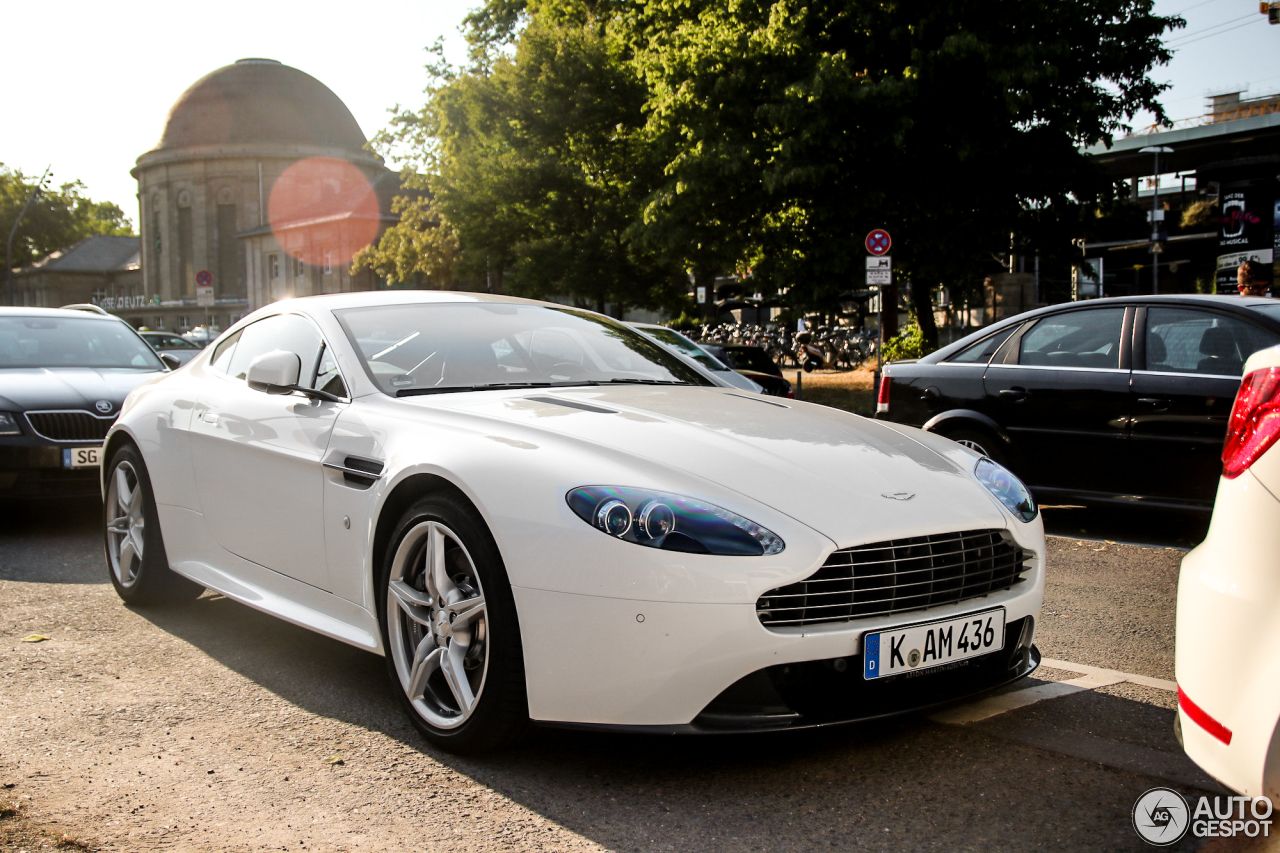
[(973, 445), (437, 624), (127, 527)]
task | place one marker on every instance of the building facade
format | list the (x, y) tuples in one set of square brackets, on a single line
[(260, 188)]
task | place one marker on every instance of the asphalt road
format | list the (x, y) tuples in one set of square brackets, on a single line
[(211, 727)]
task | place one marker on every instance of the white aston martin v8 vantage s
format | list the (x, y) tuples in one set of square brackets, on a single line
[(537, 514)]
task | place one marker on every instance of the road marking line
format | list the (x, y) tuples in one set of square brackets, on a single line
[(1145, 681), (995, 705)]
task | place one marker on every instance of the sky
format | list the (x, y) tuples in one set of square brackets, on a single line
[(89, 84)]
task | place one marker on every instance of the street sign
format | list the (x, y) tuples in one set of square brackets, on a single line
[(883, 262), (204, 295), (878, 242), (204, 278), (879, 276)]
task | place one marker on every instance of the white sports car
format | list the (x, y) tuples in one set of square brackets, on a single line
[(536, 513)]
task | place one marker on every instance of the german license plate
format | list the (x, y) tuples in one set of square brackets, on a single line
[(81, 457), (929, 644)]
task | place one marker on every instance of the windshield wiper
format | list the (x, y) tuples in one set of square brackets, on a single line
[(646, 382), (490, 386)]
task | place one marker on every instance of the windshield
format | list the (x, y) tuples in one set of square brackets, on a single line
[(686, 347), (435, 348), (72, 342)]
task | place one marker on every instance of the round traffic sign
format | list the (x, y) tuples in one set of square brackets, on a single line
[(878, 242), (204, 278)]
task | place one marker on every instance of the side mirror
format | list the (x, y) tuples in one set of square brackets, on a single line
[(275, 372), (171, 360)]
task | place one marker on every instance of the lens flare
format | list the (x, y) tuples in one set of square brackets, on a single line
[(323, 210)]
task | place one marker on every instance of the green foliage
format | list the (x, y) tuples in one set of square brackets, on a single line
[(604, 149), (909, 343), (56, 219), (1202, 212)]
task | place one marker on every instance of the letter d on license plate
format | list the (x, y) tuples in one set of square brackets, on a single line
[(929, 644)]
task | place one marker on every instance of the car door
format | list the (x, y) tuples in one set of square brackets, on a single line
[(1060, 388), (257, 456), (1188, 362)]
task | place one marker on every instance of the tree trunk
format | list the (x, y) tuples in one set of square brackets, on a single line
[(922, 298)]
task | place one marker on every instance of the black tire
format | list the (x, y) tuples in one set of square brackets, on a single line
[(982, 442), (413, 636), (131, 524)]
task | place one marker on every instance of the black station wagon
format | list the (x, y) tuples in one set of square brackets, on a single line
[(1110, 400)]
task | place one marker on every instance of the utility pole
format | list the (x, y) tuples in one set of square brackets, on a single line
[(1157, 243), (8, 247)]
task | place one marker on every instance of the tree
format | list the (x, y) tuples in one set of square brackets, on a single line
[(56, 219), (534, 158), (953, 125)]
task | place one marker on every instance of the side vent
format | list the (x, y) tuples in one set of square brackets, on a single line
[(357, 472)]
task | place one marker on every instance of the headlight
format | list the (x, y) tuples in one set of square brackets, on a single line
[(1007, 488), (9, 424), (671, 522)]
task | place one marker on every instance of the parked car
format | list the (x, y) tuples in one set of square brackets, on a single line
[(63, 377), (1228, 597), (754, 363), (537, 513), (687, 348), (175, 345), (1105, 401)]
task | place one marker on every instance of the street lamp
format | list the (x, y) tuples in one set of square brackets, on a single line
[(1156, 249), (8, 247)]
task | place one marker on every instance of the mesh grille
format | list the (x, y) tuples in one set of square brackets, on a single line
[(896, 576), (70, 426)]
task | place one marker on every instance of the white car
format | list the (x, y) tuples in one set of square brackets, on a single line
[(537, 514), (1228, 670), (688, 348)]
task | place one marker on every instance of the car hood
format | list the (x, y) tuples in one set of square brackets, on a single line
[(848, 477), (67, 387)]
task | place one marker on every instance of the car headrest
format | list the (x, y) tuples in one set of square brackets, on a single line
[(1157, 352), (1218, 342)]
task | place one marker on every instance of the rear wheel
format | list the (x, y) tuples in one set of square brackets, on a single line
[(136, 557), (450, 629)]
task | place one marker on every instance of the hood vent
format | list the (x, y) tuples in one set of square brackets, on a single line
[(572, 404)]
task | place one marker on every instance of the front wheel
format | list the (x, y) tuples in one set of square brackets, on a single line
[(980, 443), (136, 557), (450, 629)]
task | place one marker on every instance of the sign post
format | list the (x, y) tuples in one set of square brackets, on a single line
[(880, 273), (204, 289)]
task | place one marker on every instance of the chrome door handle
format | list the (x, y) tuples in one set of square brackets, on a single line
[(209, 418), (1014, 393), (1158, 404)]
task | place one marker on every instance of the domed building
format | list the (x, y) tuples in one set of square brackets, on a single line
[(260, 188)]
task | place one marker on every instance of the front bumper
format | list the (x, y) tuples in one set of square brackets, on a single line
[(696, 668), (37, 471)]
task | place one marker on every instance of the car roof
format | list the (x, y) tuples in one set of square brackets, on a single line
[(1237, 304), (368, 298), (57, 312)]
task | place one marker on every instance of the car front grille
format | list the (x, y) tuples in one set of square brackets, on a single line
[(70, 426), (897, 576)]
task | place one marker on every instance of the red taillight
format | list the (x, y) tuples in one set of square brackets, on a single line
[(882, 398), (1203, 720), (1255, 421)]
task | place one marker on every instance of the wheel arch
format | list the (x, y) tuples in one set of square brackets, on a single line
[(401, 497), (119, 438), (956, 419)]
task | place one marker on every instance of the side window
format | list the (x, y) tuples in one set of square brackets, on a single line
[(283, 331), (981, 352), (221, 360), (327, 376), (1088, 338), (1184, 340)]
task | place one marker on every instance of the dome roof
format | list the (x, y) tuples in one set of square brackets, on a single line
[(260, 101)]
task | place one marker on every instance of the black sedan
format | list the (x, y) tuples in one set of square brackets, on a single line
[(1105, 401), (63, 377), (754, 363)]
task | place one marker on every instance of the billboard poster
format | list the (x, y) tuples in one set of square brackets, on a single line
[(1247, 233)]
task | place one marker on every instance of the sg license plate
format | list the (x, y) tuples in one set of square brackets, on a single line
[(81, 457), (929, 644)]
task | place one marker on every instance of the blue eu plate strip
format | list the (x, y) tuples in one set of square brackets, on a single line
[(871, 656)]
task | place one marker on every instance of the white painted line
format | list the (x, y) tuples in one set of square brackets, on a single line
[(1144, 680), (995, 705)]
